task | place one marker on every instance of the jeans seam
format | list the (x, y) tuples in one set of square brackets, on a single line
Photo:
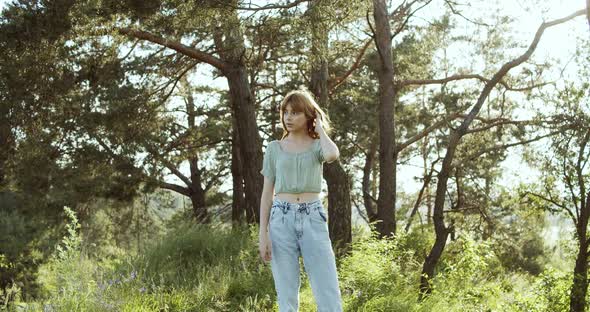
[(322, 216)]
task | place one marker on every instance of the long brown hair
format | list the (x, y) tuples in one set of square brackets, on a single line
[(302, 100)]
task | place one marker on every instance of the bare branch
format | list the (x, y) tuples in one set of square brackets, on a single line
[(177, 46), (450, 4), (554, 202), (169, 165), (220, 173), (500, 121), (426, 131), (420, 194), (130, 51), (333, 84), (505, 146), (255, 7), (407, 19), (511, 64), (173, 81), (174, 187), (408, 82)]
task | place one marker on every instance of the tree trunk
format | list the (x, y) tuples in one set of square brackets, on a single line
[(6, 141), (387, 94), (339, 203), (339, 208), (368, 199), (197, 193), (238, 198), (580, 283), (440, 229), (199, 208), (230, 42), (249, 140)]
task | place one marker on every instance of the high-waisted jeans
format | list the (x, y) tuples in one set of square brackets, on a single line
[(301, 229)]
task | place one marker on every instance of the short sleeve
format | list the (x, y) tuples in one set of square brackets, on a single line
[(268, 162), (319, 152)]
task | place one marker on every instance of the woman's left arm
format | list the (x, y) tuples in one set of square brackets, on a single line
[(329, 148)]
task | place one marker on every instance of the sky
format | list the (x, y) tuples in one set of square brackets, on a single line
[(558, 43)]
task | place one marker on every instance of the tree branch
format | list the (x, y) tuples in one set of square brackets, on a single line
[(426, 131), (170, 166), (420, 194), (505, 146), (251, 7), (177, 46), (552, 201), (333, 84), (450, 4), (408, 82), (407, 19), (174, 187), (499, 122)]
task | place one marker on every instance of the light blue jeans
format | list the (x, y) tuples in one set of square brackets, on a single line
[(301, 229)]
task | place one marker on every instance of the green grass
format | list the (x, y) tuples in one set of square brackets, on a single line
[(216, 268)]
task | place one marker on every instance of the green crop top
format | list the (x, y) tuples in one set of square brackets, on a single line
[(294, 172)]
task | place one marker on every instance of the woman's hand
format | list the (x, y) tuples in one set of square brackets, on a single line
[(264, 247), (318, 124)]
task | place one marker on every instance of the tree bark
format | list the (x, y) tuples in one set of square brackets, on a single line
[(339, 203), (580, 281), (368, 199), (230, 42), (387, 94), (6, 142), (238, 198)]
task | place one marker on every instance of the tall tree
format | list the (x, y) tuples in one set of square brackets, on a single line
[(563, 164), (229, 44), (387, 136), (441, 230), (339, 213)]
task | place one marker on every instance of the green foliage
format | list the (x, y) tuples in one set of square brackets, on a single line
[(549, 292), (216, 268), (465, 270), (67, 277), (193, 267), (527, 253), (86, 100), (21, 251), (380, 275)]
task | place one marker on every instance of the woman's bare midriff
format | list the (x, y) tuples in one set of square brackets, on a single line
[(297, 197)]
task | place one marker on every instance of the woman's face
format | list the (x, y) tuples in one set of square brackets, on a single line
[(295, 121)]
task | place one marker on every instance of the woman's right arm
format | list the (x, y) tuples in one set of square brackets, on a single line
[(268, 171), (265, 204)]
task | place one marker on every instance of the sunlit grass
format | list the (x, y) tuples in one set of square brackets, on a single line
[(216, 268)]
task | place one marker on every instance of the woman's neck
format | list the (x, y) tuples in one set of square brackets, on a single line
[(298, 137)]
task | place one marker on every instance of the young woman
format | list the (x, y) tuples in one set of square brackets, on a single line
[(296, 218)]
